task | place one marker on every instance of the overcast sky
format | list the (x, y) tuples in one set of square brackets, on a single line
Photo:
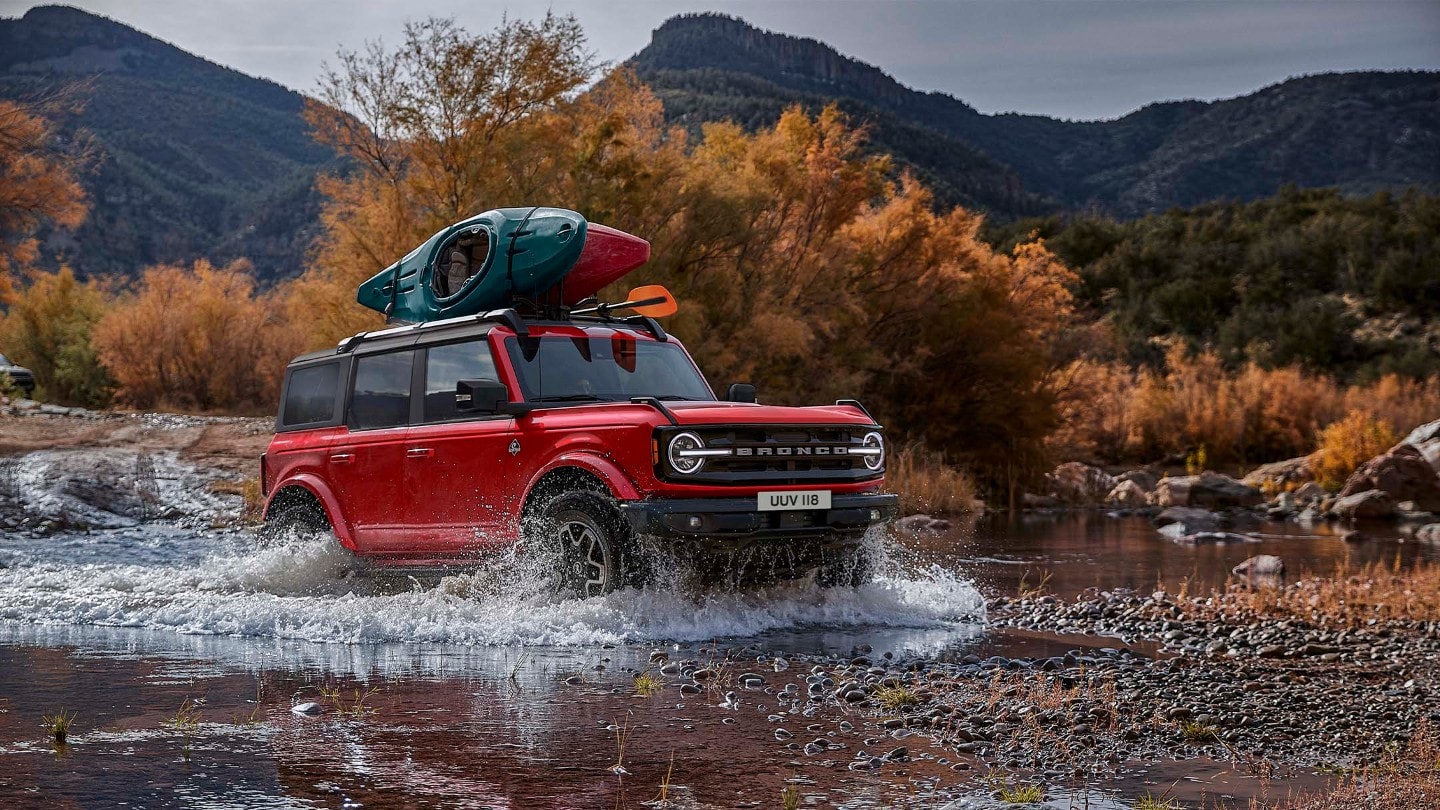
[(1067, 58)]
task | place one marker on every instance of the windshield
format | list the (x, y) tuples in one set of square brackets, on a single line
[(604, 369)]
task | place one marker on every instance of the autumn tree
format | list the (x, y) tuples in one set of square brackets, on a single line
[(196, 338), (38, 177), (47, 329)]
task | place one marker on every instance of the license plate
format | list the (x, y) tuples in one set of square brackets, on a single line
[(793, 500)]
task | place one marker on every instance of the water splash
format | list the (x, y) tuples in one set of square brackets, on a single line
[(301, 588)]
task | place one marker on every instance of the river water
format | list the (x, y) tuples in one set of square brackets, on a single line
[(181, 651)]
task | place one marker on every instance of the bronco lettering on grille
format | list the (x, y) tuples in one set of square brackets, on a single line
[(789, 451)]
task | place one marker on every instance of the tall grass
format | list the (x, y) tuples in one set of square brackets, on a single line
[(1114, 413), (925, 482)]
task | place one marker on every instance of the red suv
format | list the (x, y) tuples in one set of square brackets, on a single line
[(594, 440)]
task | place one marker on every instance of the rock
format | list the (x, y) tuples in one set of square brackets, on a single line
[(1030, 500), (1189, 520), (1280, 475), (1144, 479), (309, 707), (1370, 504), (922, 523), (1426, 440), (1079, 484), (1429, 533), (1126, 493), (1261, 565), (1401, 473), (899, 754), (1310, 493), (1208, 490)]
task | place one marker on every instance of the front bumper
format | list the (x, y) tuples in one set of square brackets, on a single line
[(734, 523)]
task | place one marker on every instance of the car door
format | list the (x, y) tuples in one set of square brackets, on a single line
[(461, 469), (367, 465)]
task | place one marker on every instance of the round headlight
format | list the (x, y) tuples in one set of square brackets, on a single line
[(681, 447), (874, 445)]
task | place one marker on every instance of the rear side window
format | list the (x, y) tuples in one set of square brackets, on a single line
[(447, 365), (381, 396), (310, 395)]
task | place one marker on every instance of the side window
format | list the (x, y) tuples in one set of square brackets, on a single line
[(447, 365), (310, 396), (382, 390)]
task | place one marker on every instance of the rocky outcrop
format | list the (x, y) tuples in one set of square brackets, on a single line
[(1127, 494), (1280, 475), (1079, 484), (1209, 490), (1403, 474), (1371, 504), (1429, 533), (1426, 440), (1144, 479)]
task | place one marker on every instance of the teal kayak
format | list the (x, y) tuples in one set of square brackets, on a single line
[(478, 264)]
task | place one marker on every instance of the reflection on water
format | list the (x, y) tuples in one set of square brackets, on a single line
[(1078, 550)]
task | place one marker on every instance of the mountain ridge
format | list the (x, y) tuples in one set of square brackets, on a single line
[(1121, 166)]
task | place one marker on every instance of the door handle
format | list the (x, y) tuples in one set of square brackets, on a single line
[(419, 452), (342, 458)]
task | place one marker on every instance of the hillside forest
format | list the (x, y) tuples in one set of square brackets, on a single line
[(805, 262)]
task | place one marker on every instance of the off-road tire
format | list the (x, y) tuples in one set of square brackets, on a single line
[(292, 519), (583, 536)]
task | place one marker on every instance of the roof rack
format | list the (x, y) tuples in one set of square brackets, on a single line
[(508, 317)]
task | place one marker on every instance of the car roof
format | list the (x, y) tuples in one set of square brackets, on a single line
[(436, 332)]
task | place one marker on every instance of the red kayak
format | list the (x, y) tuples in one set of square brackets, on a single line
[(608, 255)]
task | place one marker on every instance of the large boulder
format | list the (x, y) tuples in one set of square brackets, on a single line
[(1429, 533), (1126, 494), (1280, 475), (1402, 473), (1370, 504), (1208, 490), (1079, 484), (1426, 439)]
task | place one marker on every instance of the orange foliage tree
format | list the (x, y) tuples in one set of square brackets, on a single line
[(47, 328), (37, 178), (196, 338), (805, 265)]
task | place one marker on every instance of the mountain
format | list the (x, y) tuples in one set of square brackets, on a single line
[(196, 160), (1359, 132)]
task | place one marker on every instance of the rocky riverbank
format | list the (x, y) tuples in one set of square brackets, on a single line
[(71, 469), (1215, 680)]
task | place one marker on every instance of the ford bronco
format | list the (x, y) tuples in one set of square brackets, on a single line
[(588, 438)]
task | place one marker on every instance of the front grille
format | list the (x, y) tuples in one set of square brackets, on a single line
[(775, 454)]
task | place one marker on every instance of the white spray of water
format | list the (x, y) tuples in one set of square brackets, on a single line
[(296, 590)]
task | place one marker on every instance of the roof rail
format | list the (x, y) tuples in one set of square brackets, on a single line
[(509, 317)]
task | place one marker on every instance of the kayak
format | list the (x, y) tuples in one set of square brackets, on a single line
[(608, 255), (480, 264)]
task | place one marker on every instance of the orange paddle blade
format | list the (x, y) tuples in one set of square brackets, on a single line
[(653, 300)]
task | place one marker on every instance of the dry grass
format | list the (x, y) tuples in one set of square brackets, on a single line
[(1115, 413), (1409, 780), (648, 684), (1349, 597), (897, 698), (926, 483)]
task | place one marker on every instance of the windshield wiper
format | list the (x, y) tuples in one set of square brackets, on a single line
[(569, 398), (673, 397)]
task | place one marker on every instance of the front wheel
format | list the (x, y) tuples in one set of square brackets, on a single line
[(584, 537)]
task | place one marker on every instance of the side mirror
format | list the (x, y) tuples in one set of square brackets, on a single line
[(740, 392), (481, 396)]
